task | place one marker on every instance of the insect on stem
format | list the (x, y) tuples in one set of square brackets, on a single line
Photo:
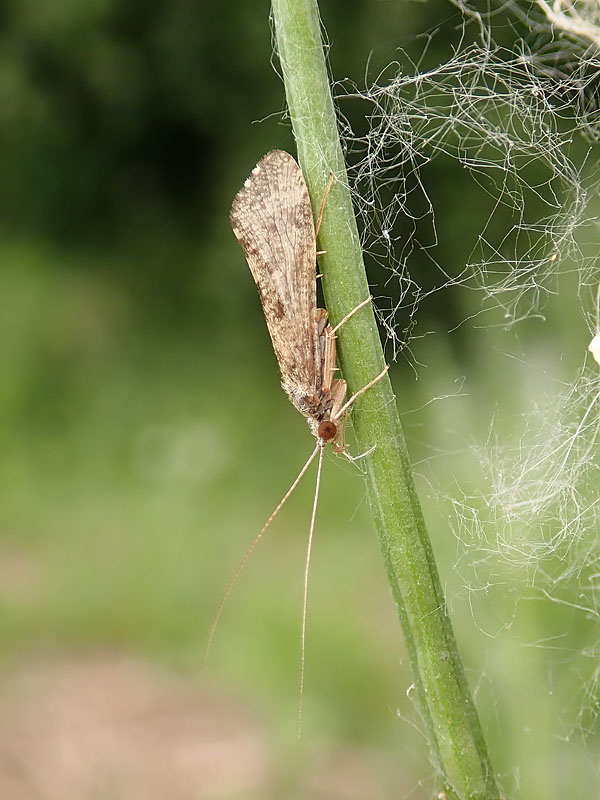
[(272, 219)]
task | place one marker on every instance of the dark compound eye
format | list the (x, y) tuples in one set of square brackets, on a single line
[(327, 430)]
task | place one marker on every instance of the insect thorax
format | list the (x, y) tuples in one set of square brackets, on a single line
[(315, 407)]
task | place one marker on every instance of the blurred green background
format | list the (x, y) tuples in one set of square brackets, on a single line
[(145, 439)]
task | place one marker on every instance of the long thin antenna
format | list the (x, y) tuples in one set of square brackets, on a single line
[(242, 564), (305, 596)]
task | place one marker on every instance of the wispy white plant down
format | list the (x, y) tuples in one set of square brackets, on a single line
[(523, 123)]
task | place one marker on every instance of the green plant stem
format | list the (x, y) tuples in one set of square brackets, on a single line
[(445, 701)]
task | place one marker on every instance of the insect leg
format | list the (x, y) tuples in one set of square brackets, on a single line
[(348, 403), (351, 314), (329, 362), (328, 337), (320, 217), (340, 446)]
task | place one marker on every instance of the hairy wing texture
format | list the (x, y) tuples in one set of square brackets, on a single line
[(272, 219)]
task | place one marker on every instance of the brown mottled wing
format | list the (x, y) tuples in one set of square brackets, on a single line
[(272, 219)]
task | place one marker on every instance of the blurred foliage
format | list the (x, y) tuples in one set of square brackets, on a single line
[(133, 121)]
